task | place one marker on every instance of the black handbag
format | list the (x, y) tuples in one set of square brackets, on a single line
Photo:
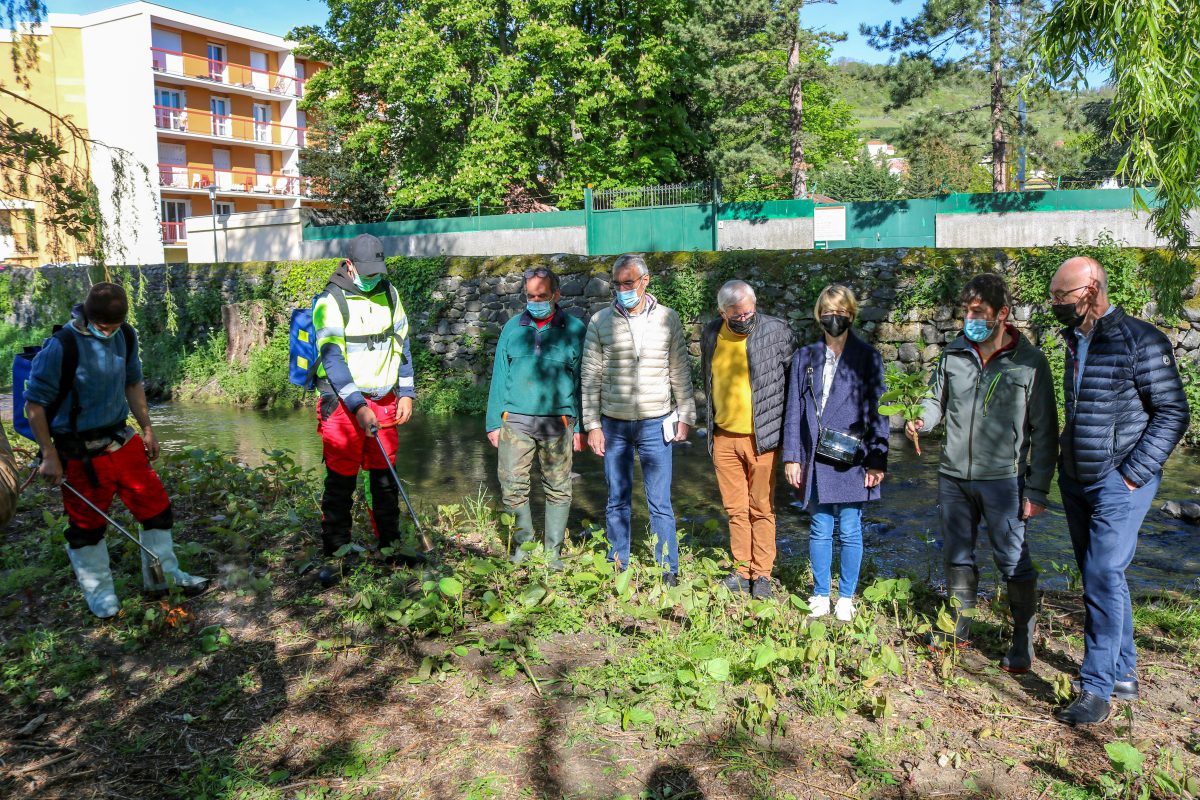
[(833, 445)]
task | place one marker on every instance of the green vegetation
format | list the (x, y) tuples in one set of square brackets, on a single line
[(473, 668)]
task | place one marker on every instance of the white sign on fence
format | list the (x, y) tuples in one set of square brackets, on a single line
[(830, 224)]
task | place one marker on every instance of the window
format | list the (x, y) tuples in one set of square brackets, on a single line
[(218, 67), (224, 209), (174, 212), (169, 112), (219, 107), (262, 122), (31, 243)]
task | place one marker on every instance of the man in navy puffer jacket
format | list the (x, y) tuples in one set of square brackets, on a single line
[(1126, 411)]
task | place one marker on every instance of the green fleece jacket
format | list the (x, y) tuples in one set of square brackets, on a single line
[(536, 371), (1001, 419)]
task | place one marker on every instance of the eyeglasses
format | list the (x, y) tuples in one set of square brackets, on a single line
[(1061, 296), (625, 286), (538, 272), (741, 317)]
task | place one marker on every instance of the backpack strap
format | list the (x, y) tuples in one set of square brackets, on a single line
[(66, 376)]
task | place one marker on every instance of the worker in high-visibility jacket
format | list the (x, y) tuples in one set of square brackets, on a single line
[(365, 380)]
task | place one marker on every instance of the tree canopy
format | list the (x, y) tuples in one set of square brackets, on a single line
[(439, 107), (1150, 49)]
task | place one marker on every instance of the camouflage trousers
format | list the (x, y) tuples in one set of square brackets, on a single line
[(517, 452)]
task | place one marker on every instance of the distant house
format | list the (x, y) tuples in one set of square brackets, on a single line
[(898, 166), (878, 147)]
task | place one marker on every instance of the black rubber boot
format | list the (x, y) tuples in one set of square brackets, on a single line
[(1022, 601), (336, 504), (962, 584)]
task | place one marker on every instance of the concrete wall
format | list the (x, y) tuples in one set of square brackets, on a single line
[(1043, 228), (532, 241), (765, 234), (253, 236)]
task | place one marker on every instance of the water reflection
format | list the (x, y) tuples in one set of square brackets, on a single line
[(444, 459)]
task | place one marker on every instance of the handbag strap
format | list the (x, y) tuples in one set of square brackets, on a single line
[(816, 402)]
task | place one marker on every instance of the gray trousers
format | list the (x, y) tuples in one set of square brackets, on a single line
[(964, 504)]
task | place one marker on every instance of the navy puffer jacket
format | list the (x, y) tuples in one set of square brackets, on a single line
[(1130, 411)]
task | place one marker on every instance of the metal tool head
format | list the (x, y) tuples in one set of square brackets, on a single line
[(156, 572)]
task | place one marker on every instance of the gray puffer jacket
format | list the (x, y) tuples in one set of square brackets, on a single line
[(619, 382), (769, 352)]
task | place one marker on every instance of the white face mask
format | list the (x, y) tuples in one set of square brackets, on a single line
[(99, 334)]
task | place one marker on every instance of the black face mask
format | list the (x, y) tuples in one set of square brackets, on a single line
[(1066, 314), (835, 324), (742, 326)]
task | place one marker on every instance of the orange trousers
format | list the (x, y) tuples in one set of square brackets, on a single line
[(747, 483)]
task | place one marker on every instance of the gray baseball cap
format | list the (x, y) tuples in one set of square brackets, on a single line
[(366, 252)]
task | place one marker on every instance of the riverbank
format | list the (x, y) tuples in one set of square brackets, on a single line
[(476, 679)]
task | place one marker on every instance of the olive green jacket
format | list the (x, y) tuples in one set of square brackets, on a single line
[(1001, 419)]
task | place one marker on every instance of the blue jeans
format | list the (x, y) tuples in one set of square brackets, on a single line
[(820, 546), (621, 439), (1104, 519)]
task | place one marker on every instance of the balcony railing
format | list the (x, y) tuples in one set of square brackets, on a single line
[(174, 232), (232, 181), (189, 65), (244, 129)]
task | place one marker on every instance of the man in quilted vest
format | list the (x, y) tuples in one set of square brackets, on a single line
[(637, 397), (1126, 411), (744, 357)]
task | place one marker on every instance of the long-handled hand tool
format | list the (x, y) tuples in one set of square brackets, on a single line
[(426, 542), (156, 567)]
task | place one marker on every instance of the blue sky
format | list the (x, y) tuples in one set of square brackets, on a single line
[(280, 16)]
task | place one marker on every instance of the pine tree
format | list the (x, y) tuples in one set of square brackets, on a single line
[(973, 36)]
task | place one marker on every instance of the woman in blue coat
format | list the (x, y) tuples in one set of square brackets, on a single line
[(834, 384)]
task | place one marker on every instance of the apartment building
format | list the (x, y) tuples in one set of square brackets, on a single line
[(210, 109), (55, 79)]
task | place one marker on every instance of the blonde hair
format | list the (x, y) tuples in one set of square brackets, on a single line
[(838, 296)]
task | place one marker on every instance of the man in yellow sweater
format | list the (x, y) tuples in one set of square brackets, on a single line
[(744, 357)]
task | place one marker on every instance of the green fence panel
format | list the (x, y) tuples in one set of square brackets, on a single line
[(889, 223), (1056, 200), (766, 209), (416, 227), (651, 230)]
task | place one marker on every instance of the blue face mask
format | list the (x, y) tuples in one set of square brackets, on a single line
[(977, 330), (99, 334), (368, 283), (628, 299), (539, 309)]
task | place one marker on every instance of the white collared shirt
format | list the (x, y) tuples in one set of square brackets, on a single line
[(827, 375)]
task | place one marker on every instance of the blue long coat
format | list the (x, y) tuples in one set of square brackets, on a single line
[(852, 407)]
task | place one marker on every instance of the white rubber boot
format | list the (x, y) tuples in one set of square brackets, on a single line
[(95, 578), (158, 541)]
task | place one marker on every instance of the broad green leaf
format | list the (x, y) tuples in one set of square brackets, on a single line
[(450, 586)]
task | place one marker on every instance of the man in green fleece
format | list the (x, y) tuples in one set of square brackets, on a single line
[(994, 391), (533, 409)]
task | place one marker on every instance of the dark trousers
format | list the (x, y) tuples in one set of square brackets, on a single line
[(964, 504), (1104, 519)]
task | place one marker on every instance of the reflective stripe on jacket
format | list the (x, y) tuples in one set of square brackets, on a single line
[(373, 343)]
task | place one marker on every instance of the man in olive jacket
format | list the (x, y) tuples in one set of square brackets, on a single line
[(533, 409), (994, 391), (637, 397), (744, 356)]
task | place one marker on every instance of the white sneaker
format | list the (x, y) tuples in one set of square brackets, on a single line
[(844, 610), (819, 606)]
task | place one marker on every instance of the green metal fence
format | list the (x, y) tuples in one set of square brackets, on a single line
[(687, 216)]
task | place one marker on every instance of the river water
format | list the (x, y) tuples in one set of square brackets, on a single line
[(444, 459)]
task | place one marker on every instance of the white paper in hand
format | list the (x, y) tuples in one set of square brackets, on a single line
[(669, 423)]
